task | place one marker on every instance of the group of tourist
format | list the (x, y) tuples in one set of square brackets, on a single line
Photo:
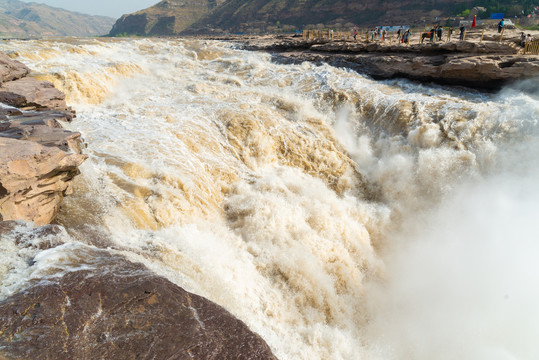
[(404, 37), (524, 39), (381, 33), (378, 32), (434, 34)]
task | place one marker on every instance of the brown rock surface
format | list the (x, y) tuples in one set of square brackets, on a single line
[(31, 93), (11, 70), (34, 178), (105, 307), (487, 64), (486, 71), (42, 127), (38, 159)]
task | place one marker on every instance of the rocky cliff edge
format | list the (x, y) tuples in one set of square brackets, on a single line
[(38, 159), (481, 61)]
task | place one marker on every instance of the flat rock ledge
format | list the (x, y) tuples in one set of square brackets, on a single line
[(97, 305), (484, 65), (22, 91), (38, 159)]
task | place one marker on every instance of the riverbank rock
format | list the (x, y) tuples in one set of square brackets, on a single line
[(35, 174), (477, 64), (38, 159), (11, 70), (32, 94), (486, 72), (96, 305)]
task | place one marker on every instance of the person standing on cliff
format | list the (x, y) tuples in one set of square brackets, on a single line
[(406, 37), (500, 25), (462, 31), (450, 33), (398, 35), (439, 32)]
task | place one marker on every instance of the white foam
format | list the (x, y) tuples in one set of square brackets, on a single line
[(273, 190)]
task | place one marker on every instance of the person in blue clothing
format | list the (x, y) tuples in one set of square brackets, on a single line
[(462, 31), (500, 25)]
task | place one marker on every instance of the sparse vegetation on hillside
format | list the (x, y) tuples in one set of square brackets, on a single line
[(168, 17), (21, 19), (276, 16)]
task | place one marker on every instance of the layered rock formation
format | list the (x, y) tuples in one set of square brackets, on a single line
[(96, 305), (38, 159), (486, 65)]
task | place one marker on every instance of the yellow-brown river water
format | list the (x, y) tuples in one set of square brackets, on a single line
[(339, 217)]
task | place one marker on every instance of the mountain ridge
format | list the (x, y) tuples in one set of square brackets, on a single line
[(22, 20), (168, 17), (187, 17)]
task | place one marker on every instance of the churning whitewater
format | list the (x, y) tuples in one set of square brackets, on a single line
[(337, 216)]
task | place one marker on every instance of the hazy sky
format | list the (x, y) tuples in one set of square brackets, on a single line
[(112, 8)]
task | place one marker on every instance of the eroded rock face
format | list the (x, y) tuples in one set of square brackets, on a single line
[(34, 179), (484, 71), (11, 70), (486, 65), (38, 159), (33, 94), (106, 307)]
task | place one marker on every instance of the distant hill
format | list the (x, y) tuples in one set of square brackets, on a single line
[(168, 17), (289, 15), (22, 20), (173, 17)]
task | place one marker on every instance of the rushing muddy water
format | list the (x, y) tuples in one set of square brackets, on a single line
[(339, 217)]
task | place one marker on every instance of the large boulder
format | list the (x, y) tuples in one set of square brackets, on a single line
[(96, 305)]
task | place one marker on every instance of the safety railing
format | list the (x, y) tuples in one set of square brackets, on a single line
[(326, 34), (532, 48)]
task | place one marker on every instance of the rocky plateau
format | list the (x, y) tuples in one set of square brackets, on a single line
[(487, 64)]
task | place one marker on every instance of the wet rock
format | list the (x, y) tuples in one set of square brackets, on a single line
[(105, 307), (38, 159), (43, 128), (42, 238), (11, 69), (486, 65), (6, 112), (34, 178), (482, 71), (31, 93)]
